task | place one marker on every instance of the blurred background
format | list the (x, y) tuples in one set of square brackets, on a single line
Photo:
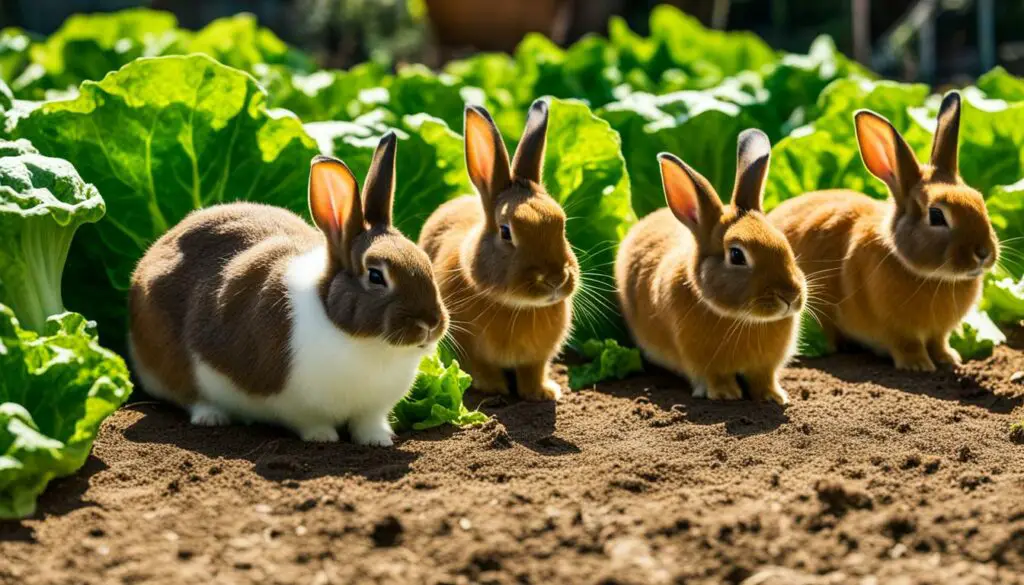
[(934, 41)]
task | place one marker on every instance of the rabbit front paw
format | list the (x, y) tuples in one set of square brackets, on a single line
[(373, 431), (725, 387), (323, 434), (942, 354), (546, 391), (913, 357), (207, 415)]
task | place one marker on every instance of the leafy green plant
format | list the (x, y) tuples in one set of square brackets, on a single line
[(608, 360), (55, 389), (43, 201), (436, 398), (160, 138)]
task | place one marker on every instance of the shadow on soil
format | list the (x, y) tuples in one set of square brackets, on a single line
[(672, 394), (964, 385), (530, 424), (62, 496), (276, 453)]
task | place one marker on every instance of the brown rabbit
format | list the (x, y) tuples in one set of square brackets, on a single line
[(896, 275), (506, 271), (713, 292), (245, 311)]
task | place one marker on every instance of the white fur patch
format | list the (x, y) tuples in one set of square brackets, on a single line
[(333, 379)]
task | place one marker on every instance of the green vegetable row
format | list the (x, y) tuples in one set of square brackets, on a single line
[(119, 125)]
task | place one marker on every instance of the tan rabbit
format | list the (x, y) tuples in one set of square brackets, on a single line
[(896, 275), (245, 311), (505, 269), (712, 292)]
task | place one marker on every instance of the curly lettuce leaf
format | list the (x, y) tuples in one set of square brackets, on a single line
[(976, 336), (608, 361), (160, 138), (436, 399), (43, 201), (55, 390)]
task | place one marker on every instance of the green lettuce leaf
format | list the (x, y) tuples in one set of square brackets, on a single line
[(43, 201), (160, 138), (88, 46), (812, 342), (999, 84), (698, 126), (55, 390), (436, 399), (824, 155), (15, 47), (976, 336), (608, 361), (1004, 299), (323, 95), (240, 42)]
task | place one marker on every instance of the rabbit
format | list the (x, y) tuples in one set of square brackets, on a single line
[(244, 311), (506, 270), (713, 292), (896, 276)]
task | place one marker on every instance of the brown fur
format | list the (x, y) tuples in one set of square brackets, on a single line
[(215, 283), (881, 274), (492, 286), (673, 263)]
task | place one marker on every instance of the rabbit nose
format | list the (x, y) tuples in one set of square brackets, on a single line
[(982, 253), (428, 328)]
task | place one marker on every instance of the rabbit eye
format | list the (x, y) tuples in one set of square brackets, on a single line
[(936, 217), (506, 233), (737, 257), (376, 277)]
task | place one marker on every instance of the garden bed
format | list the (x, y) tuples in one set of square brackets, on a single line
[(906, 478)]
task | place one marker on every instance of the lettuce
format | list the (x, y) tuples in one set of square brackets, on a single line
[(436, 399), (160, 138), (43, 201), (55, 390), (976, 336), (608, 361)]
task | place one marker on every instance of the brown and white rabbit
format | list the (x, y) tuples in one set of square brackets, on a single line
[(713, 292), (896, 275), (245, 311), (505, 269)]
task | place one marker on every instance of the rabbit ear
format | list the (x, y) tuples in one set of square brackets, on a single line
[(689, 195), (753, 153), (885, 153), (529, 158), (486, 158), (946, 145), (335, 206), (379, 191)]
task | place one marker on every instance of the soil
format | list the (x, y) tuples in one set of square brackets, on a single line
[(871, 476)]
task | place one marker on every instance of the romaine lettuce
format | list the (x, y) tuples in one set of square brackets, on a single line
[(43, 201)]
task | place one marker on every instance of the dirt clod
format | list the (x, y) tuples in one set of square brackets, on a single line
[(387, 531)]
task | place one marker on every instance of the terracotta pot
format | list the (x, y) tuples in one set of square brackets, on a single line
[(493, 25)]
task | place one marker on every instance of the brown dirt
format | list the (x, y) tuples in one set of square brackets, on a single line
[(870, 476)]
